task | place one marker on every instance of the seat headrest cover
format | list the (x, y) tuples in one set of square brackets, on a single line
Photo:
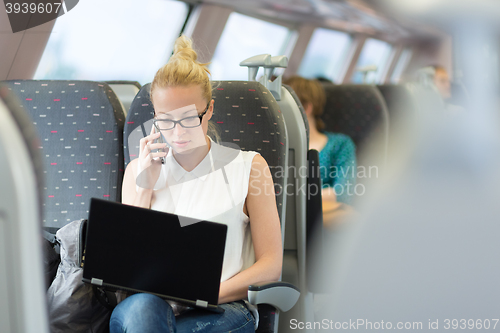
[(80, 124)]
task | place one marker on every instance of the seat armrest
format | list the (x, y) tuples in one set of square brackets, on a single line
[(281, 295)]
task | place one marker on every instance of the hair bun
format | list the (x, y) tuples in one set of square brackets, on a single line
[(183, 69), (183, 49)]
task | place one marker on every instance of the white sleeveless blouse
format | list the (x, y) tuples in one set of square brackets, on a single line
[(214, 191)]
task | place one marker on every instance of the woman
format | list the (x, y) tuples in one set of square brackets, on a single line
[(337, 152), (187, 184)]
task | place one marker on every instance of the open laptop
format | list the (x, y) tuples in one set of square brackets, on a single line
[(143, 250)]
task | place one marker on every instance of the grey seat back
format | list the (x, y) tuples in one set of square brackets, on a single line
[(360, 112), (80, 124), (22, 292), (248, 115), (298, 192), (357, 111)]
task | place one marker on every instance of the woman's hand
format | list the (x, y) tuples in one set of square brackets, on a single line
[(149, 163), (329, 200), (142, 173)]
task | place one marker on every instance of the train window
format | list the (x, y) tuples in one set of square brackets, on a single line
[(242, 38), (375, 53), (325, 54), (129, 44), (403, 61)]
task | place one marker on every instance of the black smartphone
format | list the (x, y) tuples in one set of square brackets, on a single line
[(161, 139)]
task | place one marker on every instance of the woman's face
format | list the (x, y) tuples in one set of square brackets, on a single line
[(186, 104)]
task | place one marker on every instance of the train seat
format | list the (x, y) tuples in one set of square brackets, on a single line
[(398, 99), (126, 91), (22, 287), (80, 124), (357, 111), (246, 114), (304, 213), (303, 253), (295, 260), (360, 112)]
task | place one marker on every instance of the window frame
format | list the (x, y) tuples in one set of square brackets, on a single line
[(189, 11), (382, 72), (288, 45), (337, 76)]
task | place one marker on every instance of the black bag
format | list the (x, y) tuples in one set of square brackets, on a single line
[(51, 257), (72, 304)]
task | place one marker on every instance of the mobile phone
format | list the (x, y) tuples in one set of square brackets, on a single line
[(161, 139)]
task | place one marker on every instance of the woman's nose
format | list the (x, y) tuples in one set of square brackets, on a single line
[(179, 130)]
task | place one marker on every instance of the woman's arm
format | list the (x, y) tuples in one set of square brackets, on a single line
[(130, 195), (329, 200), (341, 173), (266, 235), (344, 160), (341, 187)]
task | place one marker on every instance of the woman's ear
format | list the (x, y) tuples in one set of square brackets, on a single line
[(210, 111), (308, 108)]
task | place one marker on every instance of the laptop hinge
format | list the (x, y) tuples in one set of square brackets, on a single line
[(97, 282), (200, 303)]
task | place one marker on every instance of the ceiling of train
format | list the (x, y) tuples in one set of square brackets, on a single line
[(363, 16)]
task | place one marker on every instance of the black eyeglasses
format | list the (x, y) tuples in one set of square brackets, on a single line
[(188, 122)]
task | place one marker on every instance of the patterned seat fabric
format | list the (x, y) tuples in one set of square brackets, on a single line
[(30, 136), (357, 111), (80, 125), (246, 114)]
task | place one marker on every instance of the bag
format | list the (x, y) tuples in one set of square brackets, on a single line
[(71, 303), (51, 257)]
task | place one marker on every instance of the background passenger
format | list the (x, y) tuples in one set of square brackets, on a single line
[(443, 84), (181, 94), (442, 81), (337, 152)]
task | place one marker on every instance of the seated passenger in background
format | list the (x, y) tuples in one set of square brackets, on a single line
[(438, 77), (442, 81), (187, 184), (443, 84), (337, 153)]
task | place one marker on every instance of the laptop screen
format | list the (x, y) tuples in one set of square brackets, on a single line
[(143, 250)]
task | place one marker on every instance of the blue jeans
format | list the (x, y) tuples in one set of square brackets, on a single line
[(148, 313)]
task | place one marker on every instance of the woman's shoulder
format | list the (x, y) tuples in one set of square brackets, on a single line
[(339, 139), (250, 154), (230, 155)]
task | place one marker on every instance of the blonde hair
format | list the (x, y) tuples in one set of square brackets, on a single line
[(183, 69), (309, 91)]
